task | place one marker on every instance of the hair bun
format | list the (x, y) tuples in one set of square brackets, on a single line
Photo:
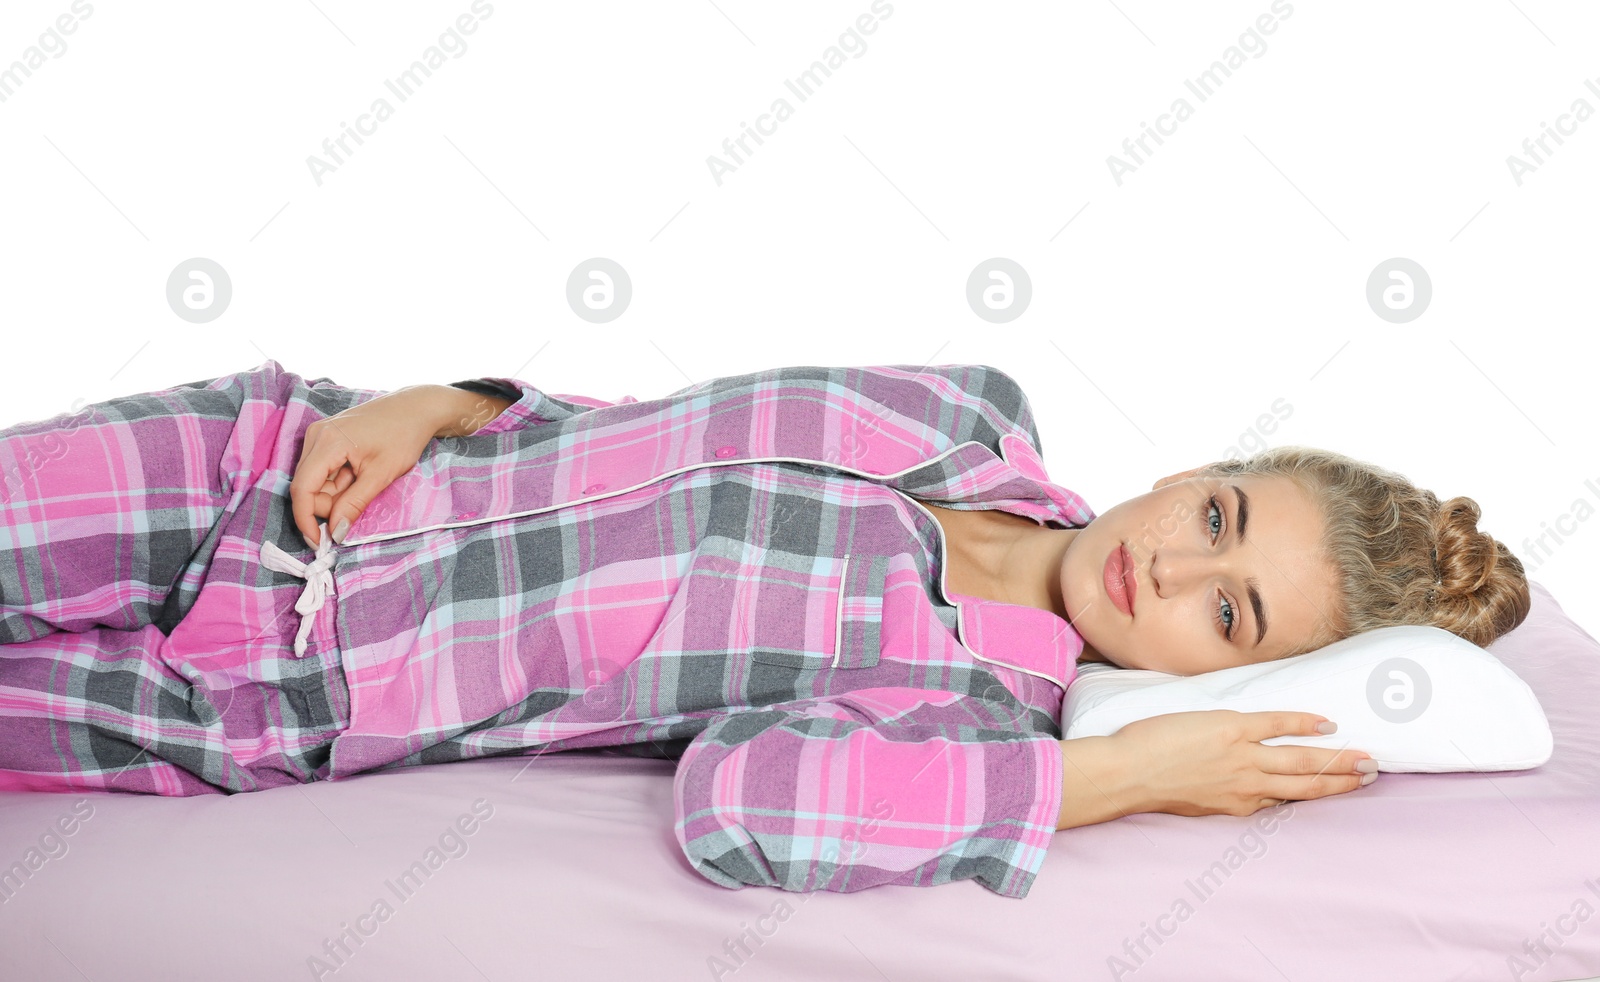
[(1479, 581), (1464, 558)]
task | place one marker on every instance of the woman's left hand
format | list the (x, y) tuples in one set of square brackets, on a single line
[(322, 505), (358, 453)]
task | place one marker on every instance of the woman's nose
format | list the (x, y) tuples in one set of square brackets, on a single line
[(1171, 568)]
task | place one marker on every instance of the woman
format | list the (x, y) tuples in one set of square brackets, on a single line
[(847, 601)]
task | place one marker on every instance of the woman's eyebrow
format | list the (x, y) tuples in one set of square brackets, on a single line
[(1252, 585)]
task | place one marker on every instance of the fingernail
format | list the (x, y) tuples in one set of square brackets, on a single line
[(340, 530), (1323, 727), (1369, 779), (1368, 766), (309, 544)]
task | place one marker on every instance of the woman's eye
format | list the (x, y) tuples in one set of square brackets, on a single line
[(1227, 626), (1223, 607)]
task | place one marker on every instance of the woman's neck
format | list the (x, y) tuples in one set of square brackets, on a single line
[(1005, 557)]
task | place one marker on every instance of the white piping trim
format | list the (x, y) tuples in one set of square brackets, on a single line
[(673, 473), (838, 627), (962, 640)]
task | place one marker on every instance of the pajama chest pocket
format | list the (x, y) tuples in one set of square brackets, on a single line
[(830, 618)]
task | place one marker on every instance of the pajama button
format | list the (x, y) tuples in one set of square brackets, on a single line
[(594, 489), (726, 451)]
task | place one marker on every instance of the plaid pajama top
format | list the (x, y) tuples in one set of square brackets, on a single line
[(740, 576)]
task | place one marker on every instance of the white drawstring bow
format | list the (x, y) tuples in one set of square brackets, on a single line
[(318, 575)]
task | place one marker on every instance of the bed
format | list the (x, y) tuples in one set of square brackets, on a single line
[(565, 866)]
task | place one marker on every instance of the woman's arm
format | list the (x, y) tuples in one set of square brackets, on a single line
[(1097, 783), (461, 413), (494, 404), (869, 787)]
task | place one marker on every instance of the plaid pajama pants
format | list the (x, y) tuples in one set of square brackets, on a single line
[(143, 646)]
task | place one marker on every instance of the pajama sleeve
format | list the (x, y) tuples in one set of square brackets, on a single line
[(530, 405), (971, 402), (832, 794)]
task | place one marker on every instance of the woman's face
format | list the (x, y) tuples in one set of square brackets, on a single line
[(1193, 575)]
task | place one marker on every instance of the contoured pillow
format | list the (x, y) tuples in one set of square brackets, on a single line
[(1416, 698)]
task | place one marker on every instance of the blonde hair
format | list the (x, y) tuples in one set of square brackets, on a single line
[(1399, 556)]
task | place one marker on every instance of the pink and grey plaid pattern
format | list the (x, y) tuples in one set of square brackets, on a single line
[(142, 646), (739, 576)]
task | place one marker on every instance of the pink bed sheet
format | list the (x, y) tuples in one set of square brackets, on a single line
[(566, 867)]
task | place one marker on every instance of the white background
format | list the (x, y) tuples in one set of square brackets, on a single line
[(1168, 313)]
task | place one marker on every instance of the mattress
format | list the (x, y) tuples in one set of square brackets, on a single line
[(565, 865)]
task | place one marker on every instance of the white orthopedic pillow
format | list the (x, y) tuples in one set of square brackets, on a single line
[(1416, 698)]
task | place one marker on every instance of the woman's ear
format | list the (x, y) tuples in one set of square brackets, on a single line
[(1174, 478)]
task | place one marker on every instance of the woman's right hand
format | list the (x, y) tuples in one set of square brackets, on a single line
[(348, 458), (1212, 762)]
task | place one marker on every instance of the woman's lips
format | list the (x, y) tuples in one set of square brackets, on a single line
[(1119, 582)]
